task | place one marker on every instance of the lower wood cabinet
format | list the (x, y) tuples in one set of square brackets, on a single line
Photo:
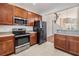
[(59, 41), (6, 45), (33, 38), (73, 44), (67, 43)]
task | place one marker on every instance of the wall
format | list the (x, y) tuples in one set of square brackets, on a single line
[(51, 26), (8, 28), (50, 17), (78, 19)]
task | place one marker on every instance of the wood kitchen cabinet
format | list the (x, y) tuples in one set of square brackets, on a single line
[(6, 45), (39, 17), (59, 41), (32, 17), (33, 38), (19, 12), (30, 21), (6, 14), (36, 16), (73, 44), (67, 43)]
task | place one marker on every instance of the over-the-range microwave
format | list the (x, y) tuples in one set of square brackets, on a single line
[(19, 21)]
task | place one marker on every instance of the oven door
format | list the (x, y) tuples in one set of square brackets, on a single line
[(21, 40)]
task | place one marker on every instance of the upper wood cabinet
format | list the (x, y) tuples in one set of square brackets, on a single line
[(36, 17), (6, 14), (39, 17), (19, 12), (30, 19), (33, 17)]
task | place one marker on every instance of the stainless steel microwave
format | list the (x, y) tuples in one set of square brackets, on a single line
[(19, 21)]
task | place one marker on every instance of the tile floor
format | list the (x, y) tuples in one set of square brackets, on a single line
[(46, 49)]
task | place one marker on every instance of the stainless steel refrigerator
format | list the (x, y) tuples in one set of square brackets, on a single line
[(40, 28)]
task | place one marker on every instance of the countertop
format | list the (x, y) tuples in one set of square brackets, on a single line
[(4, 34), (68, 32)]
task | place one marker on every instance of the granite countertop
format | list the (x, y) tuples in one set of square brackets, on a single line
[(3, 34), (68, 32)]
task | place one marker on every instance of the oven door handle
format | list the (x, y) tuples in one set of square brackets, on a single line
[(22, 45), (21, 35)]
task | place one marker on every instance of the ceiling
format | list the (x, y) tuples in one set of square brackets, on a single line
[(45, 7)]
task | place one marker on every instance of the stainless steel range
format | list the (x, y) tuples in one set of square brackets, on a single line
[(21, 39)]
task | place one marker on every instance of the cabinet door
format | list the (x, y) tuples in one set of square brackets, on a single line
[(33, 38), (25, 14), (1, 48), (30, 19), (60, 41), (7, 45), (19, 12), (39, 17), (36, 17), (73, 45), (6, 13)]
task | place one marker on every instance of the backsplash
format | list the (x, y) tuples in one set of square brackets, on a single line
[(8, 28)]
